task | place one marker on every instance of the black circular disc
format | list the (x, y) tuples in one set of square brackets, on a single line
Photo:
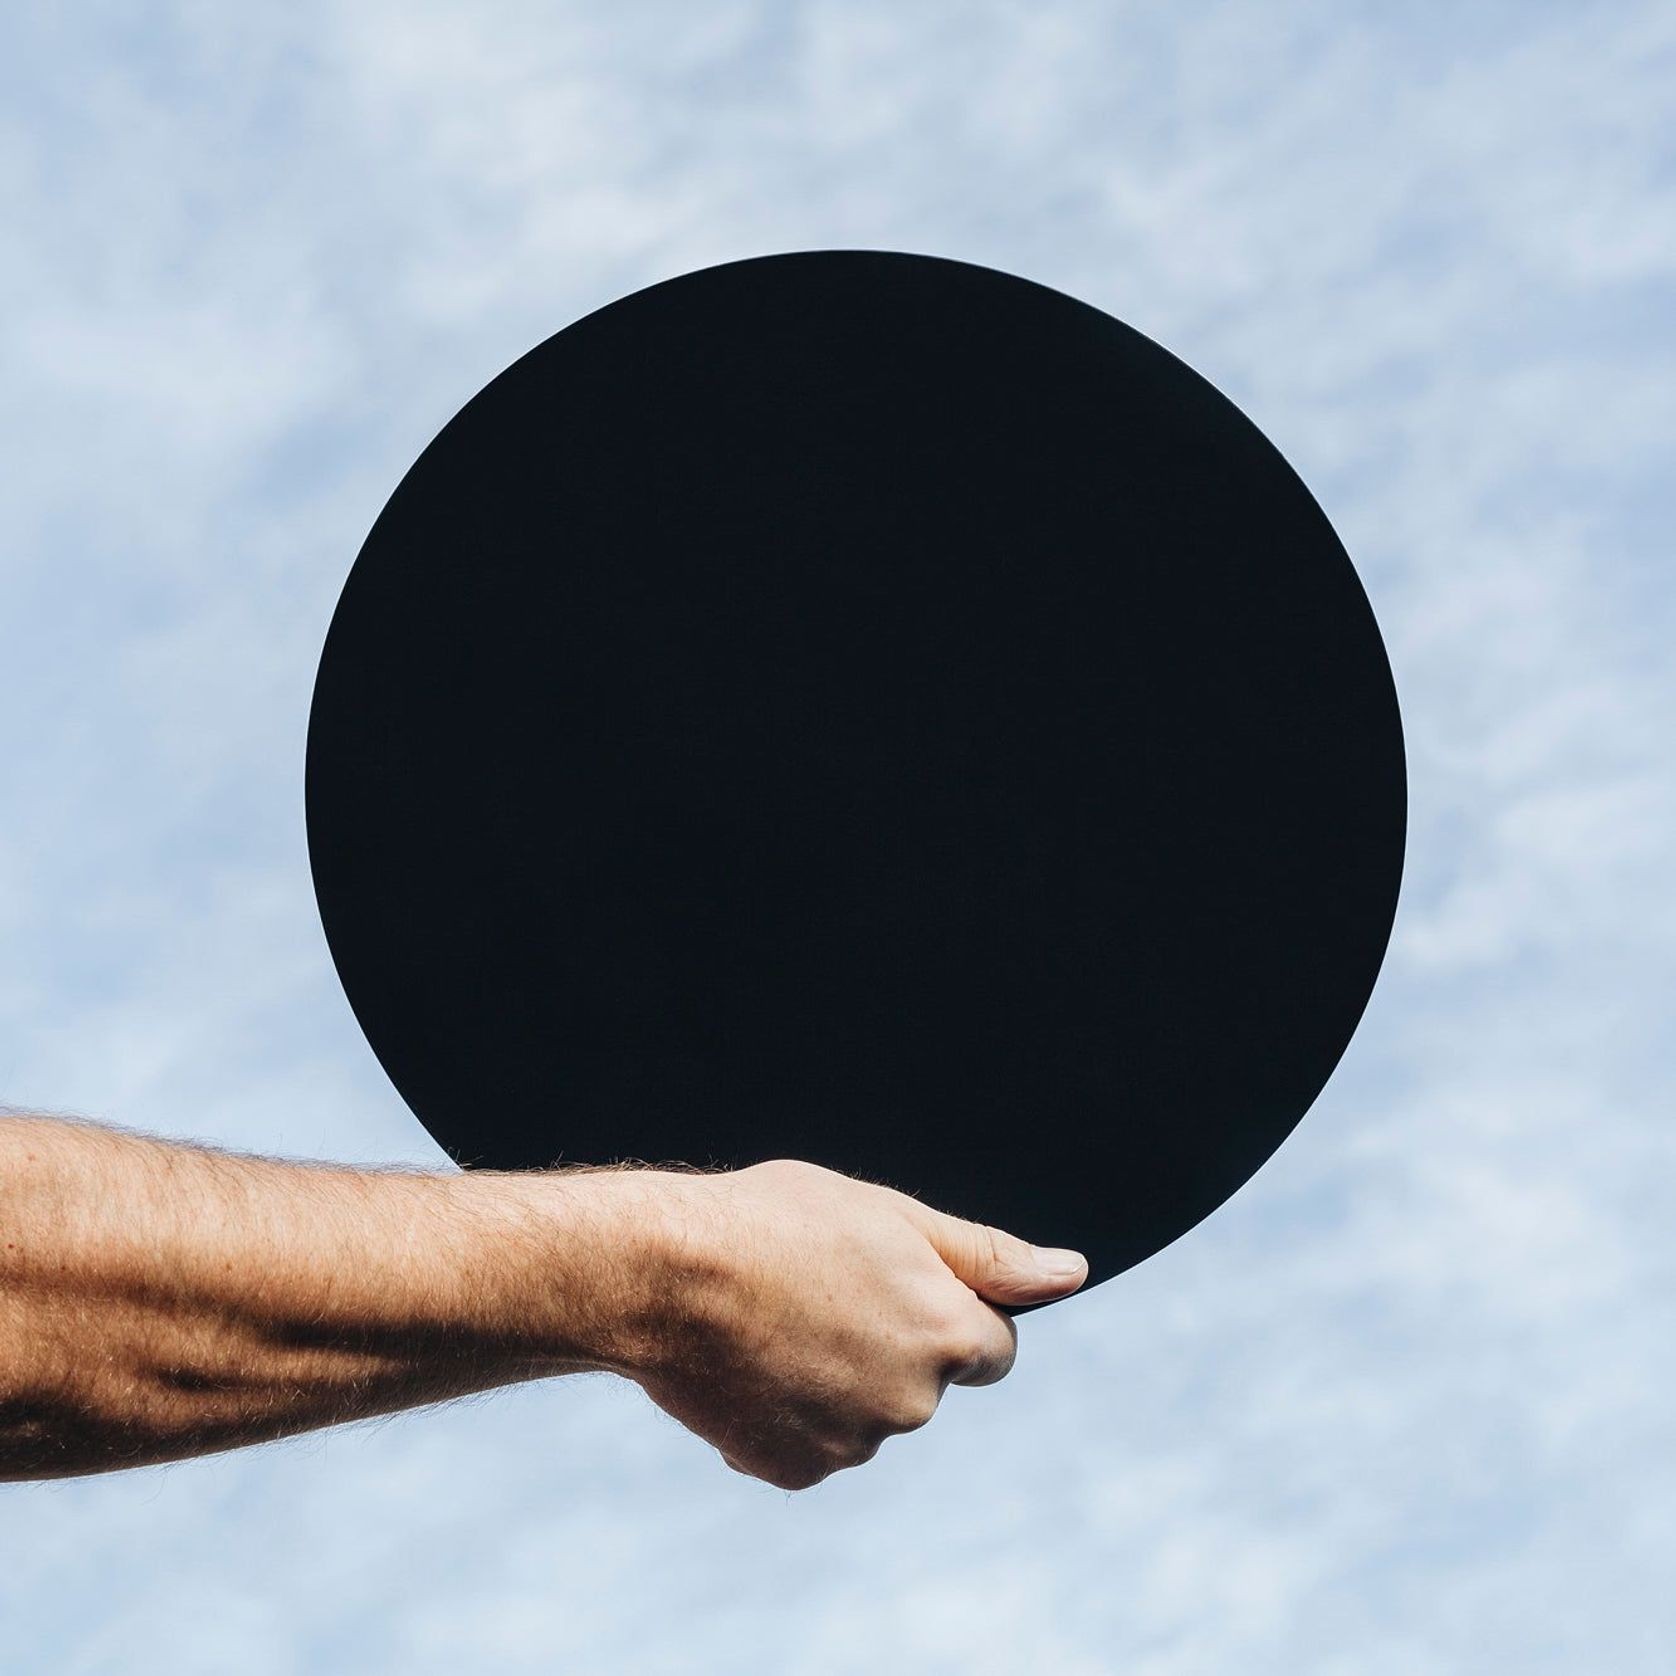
[(866, 708)]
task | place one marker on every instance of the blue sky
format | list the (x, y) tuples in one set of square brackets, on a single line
[(1403, 1405)]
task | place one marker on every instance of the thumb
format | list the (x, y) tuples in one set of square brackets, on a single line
[(999, 1266)]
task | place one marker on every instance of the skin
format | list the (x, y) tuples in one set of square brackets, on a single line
[(159, 1301)]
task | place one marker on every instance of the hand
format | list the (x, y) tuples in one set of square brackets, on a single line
[(810, 1316)]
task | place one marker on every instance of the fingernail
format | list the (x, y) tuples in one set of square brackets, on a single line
[(1057, 1263)]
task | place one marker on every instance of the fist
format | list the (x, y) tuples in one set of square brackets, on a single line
[(804, 1317)]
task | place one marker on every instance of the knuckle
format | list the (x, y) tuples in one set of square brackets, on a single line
[(978, 1351), (950, 1321), (851, 1452), (912, 1412), (861, 1453), (963, 1348), (800, 1464), (998, 1366), (804, 1475), (1002, 1348), (1008, 1254)]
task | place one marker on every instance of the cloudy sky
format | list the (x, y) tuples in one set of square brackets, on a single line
[(1405, 1404)]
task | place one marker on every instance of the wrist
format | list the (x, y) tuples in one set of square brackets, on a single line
[(591, 1269)]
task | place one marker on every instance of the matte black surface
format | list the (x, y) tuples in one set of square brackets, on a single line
[(865, 708)]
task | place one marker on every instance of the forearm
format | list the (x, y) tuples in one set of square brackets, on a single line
[(158, 1301)]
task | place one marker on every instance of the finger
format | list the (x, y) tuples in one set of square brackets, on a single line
[(992, 1351), (999, 1266)]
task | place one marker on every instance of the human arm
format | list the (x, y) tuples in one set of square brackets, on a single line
[(159, 1300)]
